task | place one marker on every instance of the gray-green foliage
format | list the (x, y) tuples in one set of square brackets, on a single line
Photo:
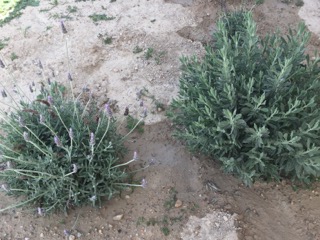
[(22, 4), (4, 43), (58, 152), (252, 103), (100, 17)]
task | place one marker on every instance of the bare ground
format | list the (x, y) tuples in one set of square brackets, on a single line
[(214, 205)]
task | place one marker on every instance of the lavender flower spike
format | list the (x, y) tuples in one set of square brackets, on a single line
[(9, 165), (50, 100), (40, 64), (145, 112), (92, 140), (70, 77), (21, 122), (2, 64), (108, 110), (63, 28), (66, 232), (144, 183), (71, 133), (40, 211), (57, 141), (74, 168), (135, 155), (4, 94), (93, 198), (30, 88), (26, 136), (41, 120)]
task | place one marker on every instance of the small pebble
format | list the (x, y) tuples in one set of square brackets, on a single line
[(71, 237), (178, 203), (118, 217), (227, 207), (41, 235), (225, 218)]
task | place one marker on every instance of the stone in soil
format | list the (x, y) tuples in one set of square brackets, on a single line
[(118, 217), (178, 203)]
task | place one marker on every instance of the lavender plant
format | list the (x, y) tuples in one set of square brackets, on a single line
[(253, 103), (58, 152)]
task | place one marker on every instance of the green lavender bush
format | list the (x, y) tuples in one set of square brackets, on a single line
[(252, 102), (58, 152)]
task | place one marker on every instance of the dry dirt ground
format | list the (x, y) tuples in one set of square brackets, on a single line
[(213, 205)]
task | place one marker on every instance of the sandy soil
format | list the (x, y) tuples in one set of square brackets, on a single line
[(213, 205)]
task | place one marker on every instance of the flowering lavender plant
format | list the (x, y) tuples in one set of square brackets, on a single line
[(60, 152)]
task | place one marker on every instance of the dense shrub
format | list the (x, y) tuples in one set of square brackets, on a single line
[(58, 152), (252, 102)]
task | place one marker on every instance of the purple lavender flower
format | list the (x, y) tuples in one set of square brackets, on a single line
[(152, 161), (139, 93), (21, 122), (57, 141), (15, 89), (74, 168), (141, 103), (126, 111), (66, 232), (2, 64), (108, 110), (93, 198), (26, 136), (92, 140), (85, 88), (135, 155), (40, 211), (41, 119), (144, 183), (50, 100), (145, 112), (70, 77), (30, 88), (3, 93), (40, 64), (63, 28), (70, 133), (9, 165)]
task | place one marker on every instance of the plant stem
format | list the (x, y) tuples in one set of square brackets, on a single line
[(22, 203), (132, 129), (104, 134), (123, 164), (128, 184)]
